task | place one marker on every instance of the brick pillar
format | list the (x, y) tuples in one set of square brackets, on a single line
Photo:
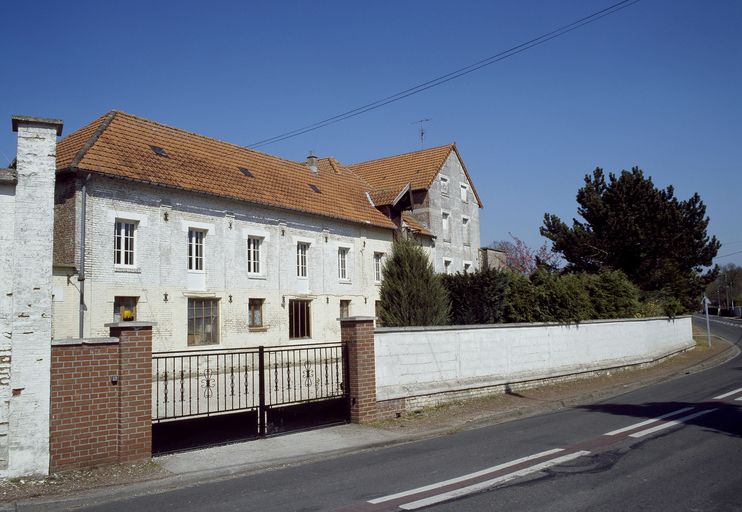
[(101, 398), (135, 381), (357, 334)]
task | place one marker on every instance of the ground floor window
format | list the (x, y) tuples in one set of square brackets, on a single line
[(344, 308), (299, 319), (203, 321), (124, 308), (255, 313)]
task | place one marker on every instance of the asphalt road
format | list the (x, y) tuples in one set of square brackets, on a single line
[(674, 446)]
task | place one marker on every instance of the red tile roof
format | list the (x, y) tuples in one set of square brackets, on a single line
[(120, 145), (418, 168)]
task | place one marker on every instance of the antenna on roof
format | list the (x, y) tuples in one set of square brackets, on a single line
[(422, 130)]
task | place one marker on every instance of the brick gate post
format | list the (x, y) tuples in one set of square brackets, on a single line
[(357, 334), (135, 381)]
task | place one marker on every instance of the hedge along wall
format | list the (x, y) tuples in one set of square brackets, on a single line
[(422, 366)]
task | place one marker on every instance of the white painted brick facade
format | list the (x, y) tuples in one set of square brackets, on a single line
[(25, 311), (161, 265)]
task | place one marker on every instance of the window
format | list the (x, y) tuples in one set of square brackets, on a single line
[(377, 266), (444, 185), (203, 321), (123, 243), (464, 193), (465, 227), (343, 263), (299, 319), (124, 308), (196, 249), (344, 308), (301, 259), (253, 255), (255, 313), (446, 266), (446, 231), (467, 268)]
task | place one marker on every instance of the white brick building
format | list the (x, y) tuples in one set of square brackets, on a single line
[(225, 246)]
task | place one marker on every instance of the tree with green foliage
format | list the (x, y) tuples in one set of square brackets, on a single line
[(658, 241), (477, 297), (411, 293)]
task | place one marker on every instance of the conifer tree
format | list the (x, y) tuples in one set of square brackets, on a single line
[(411, 293)]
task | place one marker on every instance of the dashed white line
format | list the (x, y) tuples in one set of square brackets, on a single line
[(669, 424), (481, 486), (465, 477), (647, 422), (721, 397)]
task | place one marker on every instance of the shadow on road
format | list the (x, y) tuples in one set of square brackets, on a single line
[(726, 419)]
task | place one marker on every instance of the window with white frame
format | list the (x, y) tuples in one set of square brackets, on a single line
[(196, 249), (465, 193), (302, 248), (254, 244), (444, 185), (445, 218), (343, 263), (465, 229), (123, 243), (446, 266), (377, 266)]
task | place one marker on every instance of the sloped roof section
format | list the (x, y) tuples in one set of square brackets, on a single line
[(418, 168), (126, 146), (409, 221)]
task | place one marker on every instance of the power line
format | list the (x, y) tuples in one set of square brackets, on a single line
[(730, 254), (548, 36)]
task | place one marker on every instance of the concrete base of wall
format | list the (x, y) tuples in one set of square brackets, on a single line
[(387, 409)]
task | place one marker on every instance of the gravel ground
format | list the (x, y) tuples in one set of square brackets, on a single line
[(451, 417)]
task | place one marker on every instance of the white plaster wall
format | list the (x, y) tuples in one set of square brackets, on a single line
[(30, 324), (7, 214), (455, 250), (161, 265), (419, 361)]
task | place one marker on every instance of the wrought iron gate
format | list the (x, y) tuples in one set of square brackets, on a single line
[(219, 395)]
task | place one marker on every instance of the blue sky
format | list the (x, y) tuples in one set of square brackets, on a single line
[(656, 85)]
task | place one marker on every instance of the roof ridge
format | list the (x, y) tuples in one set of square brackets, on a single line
[(202, 136), (449, 145), (92, 139)]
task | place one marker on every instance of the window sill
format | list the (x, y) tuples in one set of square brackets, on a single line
[(258, 329), (260, 277), (127, 270), (345, 281), (196, 271)]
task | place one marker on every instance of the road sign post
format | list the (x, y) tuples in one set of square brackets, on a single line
[(706, 303)]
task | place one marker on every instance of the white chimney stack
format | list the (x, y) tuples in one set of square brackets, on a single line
[(312, 163)]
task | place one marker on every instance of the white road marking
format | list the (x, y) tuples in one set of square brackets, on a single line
[(465, 477), (721, 397), (481, 486), (647, 422), (669, 424)]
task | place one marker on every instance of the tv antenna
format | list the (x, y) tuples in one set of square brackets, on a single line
[(422, 130)]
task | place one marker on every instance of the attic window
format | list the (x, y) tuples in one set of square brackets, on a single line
[(315, 188), (158, 151), (246, 172)]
